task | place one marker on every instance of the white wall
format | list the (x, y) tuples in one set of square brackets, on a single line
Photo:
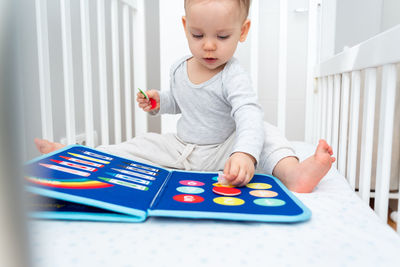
[(356, 21), (359, 20), (172, 46), (390, 14)]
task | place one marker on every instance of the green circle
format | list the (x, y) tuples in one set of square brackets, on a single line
[(270, 202), (190, 189), (215, 178)]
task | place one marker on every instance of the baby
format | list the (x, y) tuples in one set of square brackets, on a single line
[(221, 127)]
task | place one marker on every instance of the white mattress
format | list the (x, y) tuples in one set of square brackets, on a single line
[(343, 231)]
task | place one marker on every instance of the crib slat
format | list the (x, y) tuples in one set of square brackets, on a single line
[(318, 111), (329, 110), (383, 167), (87, 72), (254, 54), (116, 71), (367, 133), (324, 110), (127, 72), (311, 108), (353, 131), (68, 71), (335, 116), (44, 70), (344, 120), (101, 26), (130, 3), (282, 65), (139, 61)]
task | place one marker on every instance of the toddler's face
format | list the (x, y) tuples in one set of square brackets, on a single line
[(213, 30)]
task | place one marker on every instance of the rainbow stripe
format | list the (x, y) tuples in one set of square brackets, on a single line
[(68, 184)]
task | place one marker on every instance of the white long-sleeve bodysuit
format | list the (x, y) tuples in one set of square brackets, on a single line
[(218, 117)]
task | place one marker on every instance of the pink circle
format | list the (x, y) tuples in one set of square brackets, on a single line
[(191, 183)]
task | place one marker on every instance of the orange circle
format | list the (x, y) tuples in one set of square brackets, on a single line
[(263, 193), (222, 185)]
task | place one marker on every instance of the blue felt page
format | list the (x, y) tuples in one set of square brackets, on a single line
[(269, 200), (82, 175), (42, 207)]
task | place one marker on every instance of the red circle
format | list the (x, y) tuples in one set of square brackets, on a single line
[(188, 198), (191, 183), (226, 191), (153, 103)]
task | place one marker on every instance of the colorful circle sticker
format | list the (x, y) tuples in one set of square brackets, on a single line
[(191, 183), (263, 193), (229, 201), (226, 191), (271, 202), (259, 186), (190, 190), (188, 198), (223, 185)]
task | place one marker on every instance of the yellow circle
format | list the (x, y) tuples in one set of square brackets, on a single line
[(223, 185), (259, 186), (263, 193), (229, 201)]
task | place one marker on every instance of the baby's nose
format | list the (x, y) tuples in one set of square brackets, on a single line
[(209, 45)]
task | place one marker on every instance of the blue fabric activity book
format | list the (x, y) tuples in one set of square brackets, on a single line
[(80, 183)]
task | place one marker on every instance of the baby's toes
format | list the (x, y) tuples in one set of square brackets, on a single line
[(324, 158)]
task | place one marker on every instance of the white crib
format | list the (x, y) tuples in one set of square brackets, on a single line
[(335, 88), (328, 103)]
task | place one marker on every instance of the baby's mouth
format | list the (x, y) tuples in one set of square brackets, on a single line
[(210, 59)]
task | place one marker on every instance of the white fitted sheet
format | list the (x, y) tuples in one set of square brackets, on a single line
[(342, 231)]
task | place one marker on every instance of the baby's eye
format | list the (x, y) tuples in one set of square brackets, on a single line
[(223, 37), (197, 36)]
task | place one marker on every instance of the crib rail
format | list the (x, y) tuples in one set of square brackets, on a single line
[(131, 13), (345, 93)]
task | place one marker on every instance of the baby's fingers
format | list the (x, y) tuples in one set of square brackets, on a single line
[(145, 105), (227, 169), (140, 96), (247, 178), (240, 178), (232, 172)]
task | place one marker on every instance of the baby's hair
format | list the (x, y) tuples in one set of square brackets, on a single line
[(244, 5)]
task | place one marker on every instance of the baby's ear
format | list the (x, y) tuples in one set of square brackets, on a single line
[(184, 22), (245, 30)]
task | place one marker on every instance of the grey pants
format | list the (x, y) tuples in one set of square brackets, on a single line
[(169, 151)]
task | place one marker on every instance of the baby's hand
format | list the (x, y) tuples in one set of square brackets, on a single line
[(239, 168), (144, 103)]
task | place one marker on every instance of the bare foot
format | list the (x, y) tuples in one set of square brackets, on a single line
[(45, 146), (314, 168), (304, 176)]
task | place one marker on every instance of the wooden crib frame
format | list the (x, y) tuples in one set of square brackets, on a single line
[(333, 88)]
